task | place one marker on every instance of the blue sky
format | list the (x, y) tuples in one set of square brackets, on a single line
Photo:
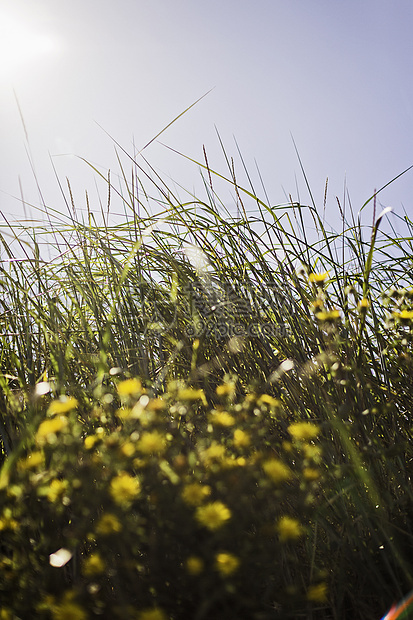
[(336, 75)]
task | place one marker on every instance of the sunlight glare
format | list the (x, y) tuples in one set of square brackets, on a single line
[(21, 45)]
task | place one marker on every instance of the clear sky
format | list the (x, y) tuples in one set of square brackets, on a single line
[(335, 74)]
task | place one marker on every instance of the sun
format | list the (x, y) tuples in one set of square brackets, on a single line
[(21, 45)]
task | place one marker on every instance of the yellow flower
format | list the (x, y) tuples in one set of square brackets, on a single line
[(277, 470), (156, 613), (128, 448), (241, 439), (222, 418), (56, 489), (32, 461), (304, 431), (192, 394), (310, 473), (317, 593), (226, 389), (93, 565), (226, 563), (318, 278), (312, 452), (90, 441), (63, 405), (108, 524), (8, 523), (131, 388), (124, 488), (289, 529), (5, 614), (328, 317), (156, 404), (49, 428), (194, 565), (68, 610), (405, 316), (213, 515), (266, 399), (363, 304), (194, 494), (152, 443), (215, 452)]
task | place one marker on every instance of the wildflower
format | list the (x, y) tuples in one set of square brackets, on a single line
[(49, 428), (329, 316), (222, 418), (241, 439), (130, 388), (127, 448), (108, 524), (266, 399), (32, 461), (5, 614), (8, 523), (192, 394), (318, 278), (90, 441), (124, 413), (289, 529), (312, 452), (124, 488), (277, 470), (194, 494), (93, 565), (151, 443), (310, 473), (56, 489), (363, 305), (404, 316), (213, 515), (317, 593), (226, 563), (226, 389), (62, 406), (156, 613), (68, 609), (215, 452), (194, 565), (304, 431), (156, 404)]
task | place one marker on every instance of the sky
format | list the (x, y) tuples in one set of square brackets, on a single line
[(334, 76)]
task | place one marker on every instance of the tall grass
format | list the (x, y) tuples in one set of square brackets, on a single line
[(186, 291)]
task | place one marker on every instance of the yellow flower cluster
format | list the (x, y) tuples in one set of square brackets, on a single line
[(130, 388), (241, 439), (156, 613), (62, 406), (151, 443), (56, 490), (93, 565), (221, 418), (289, 529), (191, 394), (108, 524), (304, 431), (194, 565), (226, 563), (49, 428), (277, 470), (124, 488), (213, 515), (194, 493)]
